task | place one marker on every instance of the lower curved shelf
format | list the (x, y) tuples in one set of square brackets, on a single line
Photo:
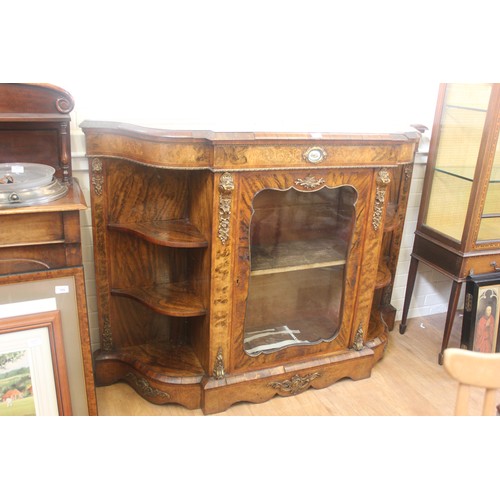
[(384, 276), (159, 372), (162, 361)]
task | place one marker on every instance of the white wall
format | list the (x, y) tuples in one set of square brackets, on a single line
[(320, 65)]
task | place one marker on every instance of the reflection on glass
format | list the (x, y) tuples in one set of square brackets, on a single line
[(448, 204), (460, 134), (299, 243), (489, 228)]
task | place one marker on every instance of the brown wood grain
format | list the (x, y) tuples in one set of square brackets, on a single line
[(175, 211)]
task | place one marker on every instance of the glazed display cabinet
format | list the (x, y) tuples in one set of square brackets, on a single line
[(235, 267), (458, 228)]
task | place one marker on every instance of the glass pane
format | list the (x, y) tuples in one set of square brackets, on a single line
[(299, 244), (492, 202), (495, 173), (448, 204), (460, 133), (489, 228)]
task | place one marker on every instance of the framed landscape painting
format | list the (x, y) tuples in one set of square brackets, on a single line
[(481, 323), (33, 376), (60, 290)]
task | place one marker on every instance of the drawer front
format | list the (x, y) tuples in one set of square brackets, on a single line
[(481, 264), (31, 229)]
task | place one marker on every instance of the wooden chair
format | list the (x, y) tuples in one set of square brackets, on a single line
[(473, 369)]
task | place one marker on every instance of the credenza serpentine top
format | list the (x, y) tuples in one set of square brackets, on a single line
[(238, 266)]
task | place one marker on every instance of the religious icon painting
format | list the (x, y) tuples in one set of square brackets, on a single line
[(480, 328)]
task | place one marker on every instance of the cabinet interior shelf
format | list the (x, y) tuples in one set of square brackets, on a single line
[(384, 276), (171, 299), (466, 108), (453, 174), (170, 233), (463, 177), (296, 256)]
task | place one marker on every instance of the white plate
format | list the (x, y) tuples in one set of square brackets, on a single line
[(25, 175)]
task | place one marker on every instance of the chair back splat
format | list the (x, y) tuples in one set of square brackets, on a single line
[(473, 369)]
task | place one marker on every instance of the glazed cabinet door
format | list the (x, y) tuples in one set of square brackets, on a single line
[(489, 220), (454, 159), (299, 255)]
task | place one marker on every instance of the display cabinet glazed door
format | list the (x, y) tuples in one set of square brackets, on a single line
[(459, 135), (490, 219), (298, 259), (489, 222)]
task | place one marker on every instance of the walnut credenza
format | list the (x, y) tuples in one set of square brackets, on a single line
[(234, 267)]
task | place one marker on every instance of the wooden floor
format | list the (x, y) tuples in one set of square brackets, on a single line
[(407, 381)]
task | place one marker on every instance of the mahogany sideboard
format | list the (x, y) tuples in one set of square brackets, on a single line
[(40, 240), (238, 266)]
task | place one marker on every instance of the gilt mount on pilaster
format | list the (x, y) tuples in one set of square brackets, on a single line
[(226, 187), (383, 180)]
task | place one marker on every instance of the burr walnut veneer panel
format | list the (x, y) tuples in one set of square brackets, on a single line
[(234, 267)]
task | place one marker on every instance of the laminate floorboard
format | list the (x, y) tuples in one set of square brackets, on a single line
[(408, 381)]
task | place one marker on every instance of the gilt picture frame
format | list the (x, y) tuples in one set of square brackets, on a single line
[(481, 321), (33, 374)]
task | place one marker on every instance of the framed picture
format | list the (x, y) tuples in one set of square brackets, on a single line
[(480, 328), (60, 290), (33, 376)]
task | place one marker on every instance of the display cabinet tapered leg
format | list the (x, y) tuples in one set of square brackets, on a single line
[(412, 273), (450, 316)]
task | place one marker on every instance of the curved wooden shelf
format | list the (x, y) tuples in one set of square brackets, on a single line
[(391, 218), (171, 299), (169, 233), (158, 371), (384, 276), (160, 361)]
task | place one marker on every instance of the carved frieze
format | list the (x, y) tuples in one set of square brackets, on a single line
[(170, 154), (235, 155), (262, 156)]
